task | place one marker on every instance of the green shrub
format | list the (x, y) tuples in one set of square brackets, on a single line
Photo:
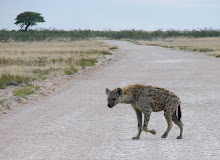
[(42, 73), (24, 92), (1, 101), (205, 50), (35, 87), (195, 49), (113, 48), (13, 80), (104, 52), (87, 62), (215, 55), (183, 48), (71, 70)]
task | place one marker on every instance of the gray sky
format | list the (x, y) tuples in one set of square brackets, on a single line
[(115, 14)]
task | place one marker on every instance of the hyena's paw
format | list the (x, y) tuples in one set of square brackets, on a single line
[(136, 137), (153, 132), (179, 137), (164, 136)]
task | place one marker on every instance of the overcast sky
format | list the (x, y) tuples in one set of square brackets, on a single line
[(115, 14)]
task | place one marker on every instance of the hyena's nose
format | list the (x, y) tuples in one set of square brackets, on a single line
[(109, 106)]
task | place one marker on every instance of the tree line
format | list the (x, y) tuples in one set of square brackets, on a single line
[(51, 34)]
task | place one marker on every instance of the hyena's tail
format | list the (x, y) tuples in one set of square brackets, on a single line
[(179, 113)]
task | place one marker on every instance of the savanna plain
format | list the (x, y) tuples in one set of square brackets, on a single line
[(24, 66)]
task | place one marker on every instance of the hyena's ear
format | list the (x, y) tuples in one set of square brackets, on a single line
[(107, 91), (120, 91)]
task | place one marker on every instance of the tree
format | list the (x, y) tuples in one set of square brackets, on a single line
[(27, 19)]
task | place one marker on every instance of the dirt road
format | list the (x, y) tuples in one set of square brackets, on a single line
[(77, 124)]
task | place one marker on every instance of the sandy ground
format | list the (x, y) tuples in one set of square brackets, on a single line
[(77, 124)]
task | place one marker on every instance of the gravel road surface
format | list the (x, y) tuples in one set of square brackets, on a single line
[(77, 124)]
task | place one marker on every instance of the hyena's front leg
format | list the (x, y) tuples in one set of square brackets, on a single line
[(146, 121), (139, 120)]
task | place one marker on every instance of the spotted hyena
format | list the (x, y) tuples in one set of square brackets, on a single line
[(147, 99)]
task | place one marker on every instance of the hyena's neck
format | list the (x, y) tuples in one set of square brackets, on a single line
[(126, 98)]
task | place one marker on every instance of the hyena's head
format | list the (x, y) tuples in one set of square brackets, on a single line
[(114, 96)]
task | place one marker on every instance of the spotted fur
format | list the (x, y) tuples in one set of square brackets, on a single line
[(145, 100)]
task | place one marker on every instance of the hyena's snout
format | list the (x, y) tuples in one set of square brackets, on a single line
[(110, 105)]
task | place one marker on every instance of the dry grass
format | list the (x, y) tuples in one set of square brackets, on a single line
[(24, 58), (27, 61), (210, 45), (24, 65)]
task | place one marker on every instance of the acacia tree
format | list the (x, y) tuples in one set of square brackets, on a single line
[(27, 19)]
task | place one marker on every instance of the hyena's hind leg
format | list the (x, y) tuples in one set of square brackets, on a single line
[(168, 117), (168, 112), (177, 121)]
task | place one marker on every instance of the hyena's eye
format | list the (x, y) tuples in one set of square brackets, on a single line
[(113, 99)]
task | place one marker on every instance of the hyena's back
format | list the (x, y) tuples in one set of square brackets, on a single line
[(156, 97)]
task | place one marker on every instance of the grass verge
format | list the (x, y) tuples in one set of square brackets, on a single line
[(209, 45)]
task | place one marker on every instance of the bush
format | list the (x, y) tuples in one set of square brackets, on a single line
[(71, 70), (23, 92), (12, 80), (87, 62), (205, 50)]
